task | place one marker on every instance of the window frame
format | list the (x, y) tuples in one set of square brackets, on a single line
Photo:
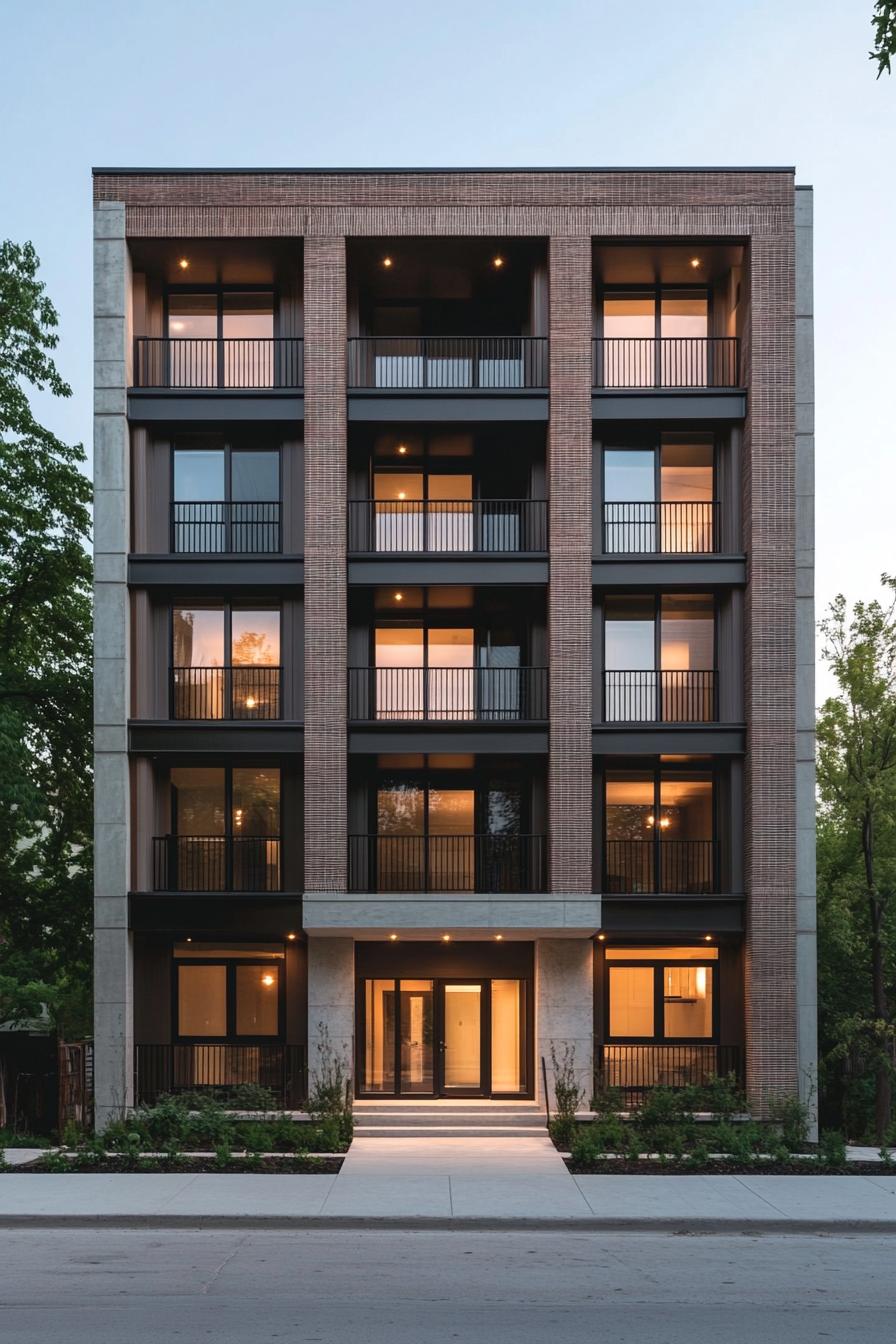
[(656, 292), (228, 770), (659, 1036), (231, 1037), (637, 765), (220, 291)]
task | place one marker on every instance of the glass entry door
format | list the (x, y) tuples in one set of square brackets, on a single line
[(462, 1043)]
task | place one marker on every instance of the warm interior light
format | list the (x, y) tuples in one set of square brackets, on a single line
[(176, 326), (238, 817), (650, 819), (251, 702), (267, 980), (291, 937), (183, 263), (387, 262), (393, 937), (499, 937), (402, 494), (446, 937), (399, 597), (708, 938), (402, 448), (664, 822), (189, 940), (695, 262), (497, 262)]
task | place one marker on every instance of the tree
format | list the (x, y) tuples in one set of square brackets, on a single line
[(45, 673), (857, 786), (883, 21)]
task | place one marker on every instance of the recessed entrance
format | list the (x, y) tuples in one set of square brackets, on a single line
[(443, 1038)]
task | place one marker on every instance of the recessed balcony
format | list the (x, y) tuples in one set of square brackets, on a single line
[(648, 363), (442, 364), (212, 863), (673, 866), (501, 863), (448, 694), (206, 363), (660, 697), (249, 693), (448, 526)]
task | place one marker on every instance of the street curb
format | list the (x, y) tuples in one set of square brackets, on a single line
[(692, 1226)]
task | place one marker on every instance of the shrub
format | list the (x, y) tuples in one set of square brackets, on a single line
[(567, 1094), (721, 1095), (237, 1097), (832, 1150), (562, 1130), (792, 1118), (607, 1101)]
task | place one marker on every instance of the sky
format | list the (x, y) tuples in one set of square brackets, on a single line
[(503, 83)]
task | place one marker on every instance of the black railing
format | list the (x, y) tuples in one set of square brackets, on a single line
[(242, 692), (448, 525), (486, 863), (660, 697), (448, 363), (210, 527), (688, 527), (670, 361), (249, 362), (635, 1069), (216, 863), (687, 867), (221, 1068), (492, 694)]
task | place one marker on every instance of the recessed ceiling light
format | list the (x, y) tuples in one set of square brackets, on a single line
[(601, 937), (387, 262), (393, 937), (708, 938), (291, 937), (446, 937), (499, 937), (399, 597), (497, 262), (183, 264), (402, 448), (695, 262)]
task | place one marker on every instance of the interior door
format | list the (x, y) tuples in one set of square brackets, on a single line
[(463, 1028)]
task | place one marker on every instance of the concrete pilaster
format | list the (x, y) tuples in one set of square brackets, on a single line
[(564, 1008), (331, 1000), (113, 955)]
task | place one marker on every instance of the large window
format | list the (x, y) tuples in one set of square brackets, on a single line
[(661, 994), (225, 832), (659, 658), (225, 662), (655, 338), (660, 499), (228, 991), (225, 498), (220, 338), (659, 831)]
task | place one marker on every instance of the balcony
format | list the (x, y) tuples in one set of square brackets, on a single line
[(207, 863), (448, 526), (660, 697), (203, 527), (439, 364), (666, 363), (204, 363), (448, 694), (162, 1069), (634, 1069), (643, 527), (447, 863), (246, 692), (674, 867)]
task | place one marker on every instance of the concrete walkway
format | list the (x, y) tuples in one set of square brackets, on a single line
[(460, 1182)]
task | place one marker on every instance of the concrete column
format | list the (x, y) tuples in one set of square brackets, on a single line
[(806, 950), (331, 1001), (564, 1008), (113, 953), (325, 566), (569, 598)]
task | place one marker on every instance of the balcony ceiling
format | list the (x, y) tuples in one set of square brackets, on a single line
[(225, 261), (652, 263)]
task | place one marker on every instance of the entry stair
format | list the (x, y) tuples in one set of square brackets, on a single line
[(446, 1119)]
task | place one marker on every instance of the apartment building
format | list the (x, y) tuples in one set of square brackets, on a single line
[(454, 629)]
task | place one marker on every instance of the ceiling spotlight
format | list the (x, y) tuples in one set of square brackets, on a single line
[(499, 937), (399, 597), (189, 940), (497, 262), (393, 937), (387, 262), (290, 937), (402, 448), (708, 938), (446, 937), (267, 980), (601, 937), (183, 264), (695, 262)]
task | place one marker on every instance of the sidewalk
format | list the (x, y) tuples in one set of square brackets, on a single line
[(456, 1183)]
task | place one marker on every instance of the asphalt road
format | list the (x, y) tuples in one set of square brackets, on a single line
[(322, 1287)]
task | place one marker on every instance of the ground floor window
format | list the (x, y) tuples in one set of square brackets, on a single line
[(228, 992), (428, 1037)]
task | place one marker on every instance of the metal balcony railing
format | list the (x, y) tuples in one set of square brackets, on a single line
[(660, 697), (229, 527), (641, 527), (241, 692), (483, 526), (221, 1067), (634, 1069), (440, 863), (685, 867), (247, 362), (448, 363), (643, 362), (455, 694), (216, 863)]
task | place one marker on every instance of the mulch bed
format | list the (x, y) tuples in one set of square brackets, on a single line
[(620, 1167), (270, 1166)]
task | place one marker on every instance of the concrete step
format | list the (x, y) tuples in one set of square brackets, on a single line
[(446, 1132), (446, 1119)]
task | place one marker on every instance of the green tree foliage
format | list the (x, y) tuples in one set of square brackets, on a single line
[(45, 682), (857, 850), (883, 22)]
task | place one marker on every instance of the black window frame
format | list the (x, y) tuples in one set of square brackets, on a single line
[(231, 963), (658, 965), (659, 770)]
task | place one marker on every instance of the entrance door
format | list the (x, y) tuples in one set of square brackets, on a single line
[(463, 1041)]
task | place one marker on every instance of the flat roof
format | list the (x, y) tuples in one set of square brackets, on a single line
[(352, 172)]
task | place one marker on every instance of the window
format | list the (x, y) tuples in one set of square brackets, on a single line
[(661, 995), (225, 662), (228, 992), (225, 498), (659, 658), (660, 499), (659, 831), (220, 338), (655, 338), (225, 824)]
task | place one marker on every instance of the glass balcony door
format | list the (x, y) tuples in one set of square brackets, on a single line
[(659, 659), (225, 499), (660, 500), (423, 511), (424, 673), (655, 338), (659, 832)]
